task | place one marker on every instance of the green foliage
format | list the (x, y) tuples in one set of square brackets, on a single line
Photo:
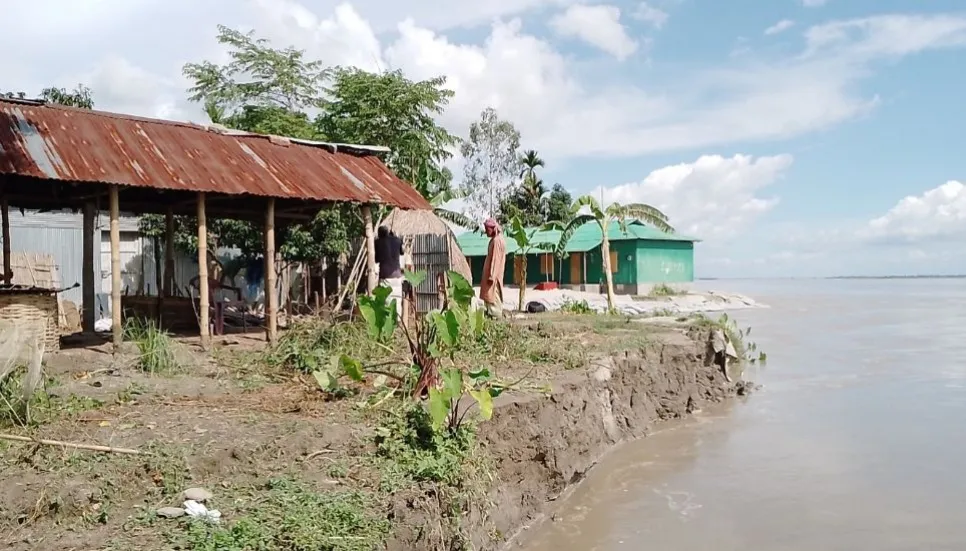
[(571, 306), (293, 516), (380, 313), (156, 354), (615, 212), (388, 109), (491, 161), (746, 349), (664, 290), (444, 402), (79, 97), (525, 246), (39, 407)]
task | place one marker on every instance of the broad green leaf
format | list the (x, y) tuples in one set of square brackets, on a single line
[(351, 367), (480, 374), (326, 380), (485, 402), (415, 278), (389, 321), (452, 383), (381, 293), (477, 322), (447, 328), (438, 408), (368, 311), (496, 390), (460, 289)]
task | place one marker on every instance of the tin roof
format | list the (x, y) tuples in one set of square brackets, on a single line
[(587, 237), (62, 143)]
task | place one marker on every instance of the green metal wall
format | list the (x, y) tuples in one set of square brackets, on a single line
[(650, 262), (665, 261)]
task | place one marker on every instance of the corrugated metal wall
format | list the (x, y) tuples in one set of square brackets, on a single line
[(665, 261)]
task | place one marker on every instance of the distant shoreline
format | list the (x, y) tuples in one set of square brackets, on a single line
[(957, 276)]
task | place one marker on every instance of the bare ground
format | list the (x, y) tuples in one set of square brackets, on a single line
[(231, 427)]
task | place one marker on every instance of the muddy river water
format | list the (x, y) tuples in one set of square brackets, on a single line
[(856, 442)]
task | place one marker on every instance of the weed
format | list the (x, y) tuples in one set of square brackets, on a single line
[(290, 515), (664, 290), (40, 407), (155, 346), (571, 306), (746, 349)]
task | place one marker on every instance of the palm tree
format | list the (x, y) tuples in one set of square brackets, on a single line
[(525, 245), (529, 162), (604, 217)]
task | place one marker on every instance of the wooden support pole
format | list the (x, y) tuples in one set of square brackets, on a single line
[(168, 253), (373, 278), (5, 215), (116, 328), (203, 273), (89, 302), (271, 294)]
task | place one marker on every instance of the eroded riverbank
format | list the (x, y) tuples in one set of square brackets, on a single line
[(284, 462)]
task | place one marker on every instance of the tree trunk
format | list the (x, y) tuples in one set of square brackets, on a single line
[(523, 282), (608, 276)]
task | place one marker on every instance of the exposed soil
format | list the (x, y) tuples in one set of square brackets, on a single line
[(229, 430)]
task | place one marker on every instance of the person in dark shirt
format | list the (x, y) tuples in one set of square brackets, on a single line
[(389, 251)]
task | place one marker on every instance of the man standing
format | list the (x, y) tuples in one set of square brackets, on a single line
[(389, 253), (491, 288)]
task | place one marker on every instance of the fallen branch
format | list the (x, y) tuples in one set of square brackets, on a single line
[(91, 447)]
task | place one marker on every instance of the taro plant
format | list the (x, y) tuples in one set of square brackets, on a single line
[(444, 402)]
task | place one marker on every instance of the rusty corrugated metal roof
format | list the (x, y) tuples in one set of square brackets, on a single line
[(63, 143)]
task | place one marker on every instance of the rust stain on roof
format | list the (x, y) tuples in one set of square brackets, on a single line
[(62, 143)]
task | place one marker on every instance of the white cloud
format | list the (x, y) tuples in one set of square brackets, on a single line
[(598, 25), (939, 213), (649, 14), (712, 198), (780, 27), (814, 3), (528, 78)]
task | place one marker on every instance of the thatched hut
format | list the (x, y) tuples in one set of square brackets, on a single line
[(410, 223)]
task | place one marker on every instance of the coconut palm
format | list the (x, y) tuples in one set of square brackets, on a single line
[(604, 217)]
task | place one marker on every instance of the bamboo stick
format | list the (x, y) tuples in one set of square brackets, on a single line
[(91, 447)]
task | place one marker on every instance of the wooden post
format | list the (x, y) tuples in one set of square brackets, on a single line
[(373, 278), (168, 253), (89, 302), (271, 295), (5, 215), (203, 273), (116, 328)]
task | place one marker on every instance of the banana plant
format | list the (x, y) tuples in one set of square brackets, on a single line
[(604, 217), (526, 244)]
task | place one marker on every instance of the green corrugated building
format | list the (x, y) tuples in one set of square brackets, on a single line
[(640, 258)]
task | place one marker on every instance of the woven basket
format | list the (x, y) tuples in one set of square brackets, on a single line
[(33, 309)]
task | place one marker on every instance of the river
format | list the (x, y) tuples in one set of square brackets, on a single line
[(857, 440)]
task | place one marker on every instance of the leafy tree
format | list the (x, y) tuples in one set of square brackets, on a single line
[(603, 218), (492, 160), (558, 204), (80, 96), (390, 110), (529, 163)]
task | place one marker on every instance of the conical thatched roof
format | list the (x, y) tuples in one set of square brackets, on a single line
[(407, 223)]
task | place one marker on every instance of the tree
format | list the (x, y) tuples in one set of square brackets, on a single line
[(390, 110), (558, 204), (80, 96), (262, 89), (525, 245), (529, 162), (604, 218), (492, 158)]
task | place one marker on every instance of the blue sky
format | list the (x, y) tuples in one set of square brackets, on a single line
[(794, 140)]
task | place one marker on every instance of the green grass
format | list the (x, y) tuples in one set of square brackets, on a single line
[(156, 354), (664, 290), (290, 515)]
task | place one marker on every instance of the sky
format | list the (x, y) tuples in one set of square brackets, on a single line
[(795, 138)]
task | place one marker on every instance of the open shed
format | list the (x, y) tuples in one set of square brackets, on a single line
[(54, 157)]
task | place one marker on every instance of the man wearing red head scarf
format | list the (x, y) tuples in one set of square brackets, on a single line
[(491, 288)]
